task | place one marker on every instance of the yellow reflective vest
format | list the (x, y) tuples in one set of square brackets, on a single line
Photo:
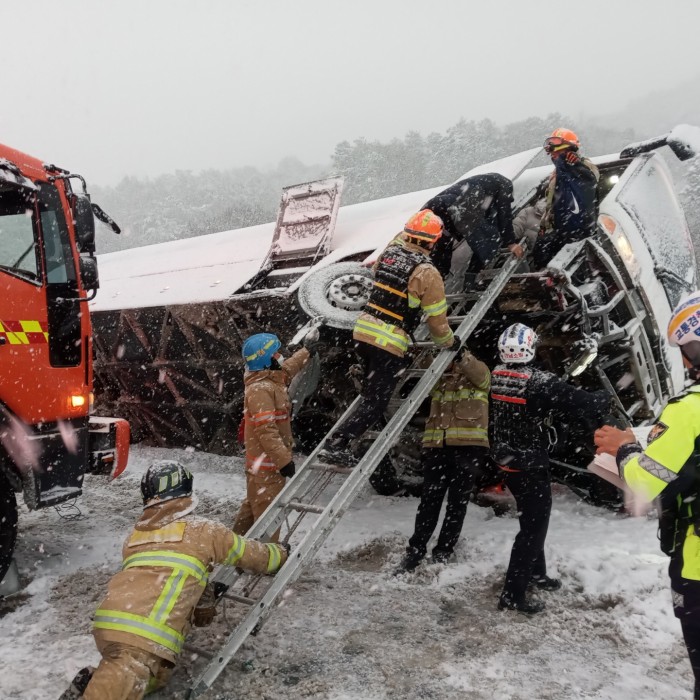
[(167, 559), (649, 472), (425, 292)]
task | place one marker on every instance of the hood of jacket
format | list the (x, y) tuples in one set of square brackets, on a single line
[(161, 514), (279, 376)]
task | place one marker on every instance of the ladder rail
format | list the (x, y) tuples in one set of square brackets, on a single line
[(277, 511), (341, 501)]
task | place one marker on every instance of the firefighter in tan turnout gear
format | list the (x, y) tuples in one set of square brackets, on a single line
[(267, 414), (141, 624), (455, 453), (406, 286)]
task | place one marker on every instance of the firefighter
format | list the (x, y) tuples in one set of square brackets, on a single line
[(572, 198), (668, 469), (141, 624), (406, 285), (456, 451), (267, 414), (521, 399), (477, 210)]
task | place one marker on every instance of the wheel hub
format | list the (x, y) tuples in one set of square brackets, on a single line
[(350, 292)]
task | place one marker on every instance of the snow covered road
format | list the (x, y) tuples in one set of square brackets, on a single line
[(349, 630)]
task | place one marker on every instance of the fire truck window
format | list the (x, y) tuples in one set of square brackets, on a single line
[(17, 241), (58, 254), (64, 311)]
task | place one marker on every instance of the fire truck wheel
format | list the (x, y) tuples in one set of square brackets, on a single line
[(8, 524), (337, 293)]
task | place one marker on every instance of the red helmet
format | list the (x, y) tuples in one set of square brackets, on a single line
[(560, 140), (424, 228)]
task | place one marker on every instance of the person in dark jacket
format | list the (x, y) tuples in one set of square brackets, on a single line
[(455, 452), (572, 198), (477, 210), (521, 399)]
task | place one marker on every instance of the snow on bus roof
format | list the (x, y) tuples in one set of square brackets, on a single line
[(216, 266)]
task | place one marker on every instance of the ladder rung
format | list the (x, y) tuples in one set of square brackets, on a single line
[(198, 650), (305, 507), (321, 467), (239, 598)]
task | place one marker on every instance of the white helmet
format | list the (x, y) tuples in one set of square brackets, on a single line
[(517, 344), (684, 327)]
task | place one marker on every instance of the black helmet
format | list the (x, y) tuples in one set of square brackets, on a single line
[(165, 481)]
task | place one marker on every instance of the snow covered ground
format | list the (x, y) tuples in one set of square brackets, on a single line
[(351, 631)]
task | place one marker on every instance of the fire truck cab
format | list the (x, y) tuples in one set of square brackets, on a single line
[(48, 271)]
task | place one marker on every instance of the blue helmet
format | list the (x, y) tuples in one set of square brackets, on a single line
[(259, 349)]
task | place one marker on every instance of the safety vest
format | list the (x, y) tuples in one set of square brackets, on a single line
[(659, 465), (390, 301), (515, 430)]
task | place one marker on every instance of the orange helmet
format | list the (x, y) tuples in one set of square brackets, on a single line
[(560, 140), (424, 228)]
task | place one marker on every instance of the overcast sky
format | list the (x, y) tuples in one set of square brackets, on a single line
[(143, 87)]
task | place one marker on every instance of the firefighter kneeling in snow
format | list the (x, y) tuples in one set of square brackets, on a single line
[(140, 626), (406, 285), (267, 414)]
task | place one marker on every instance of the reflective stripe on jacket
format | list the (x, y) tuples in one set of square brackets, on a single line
[(389, 301), (425, 291), (459, 407), (267, 411), (673, 445), (166, 564)]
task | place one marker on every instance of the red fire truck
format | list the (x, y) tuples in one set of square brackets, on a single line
[(48, 271)]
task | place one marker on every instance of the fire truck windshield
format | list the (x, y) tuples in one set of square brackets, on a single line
[(18, 250)]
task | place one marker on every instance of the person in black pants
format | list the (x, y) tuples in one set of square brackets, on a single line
[(406, 288), (522, 397), (455, 452), (382, 372), (477, 210)]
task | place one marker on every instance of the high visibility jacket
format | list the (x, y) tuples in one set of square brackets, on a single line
[(267, 413), (424, 293), (667, 469), (459, 406), (167, 559)]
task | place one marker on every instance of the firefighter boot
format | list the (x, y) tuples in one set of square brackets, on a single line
[(526, 606), (442, 556), (409, 562), (338, 452), (545, 583), (78, 684)]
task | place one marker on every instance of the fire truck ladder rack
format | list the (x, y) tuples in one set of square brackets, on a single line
[(303, 493)]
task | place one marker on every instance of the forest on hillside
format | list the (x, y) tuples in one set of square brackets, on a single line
[(185, 204)]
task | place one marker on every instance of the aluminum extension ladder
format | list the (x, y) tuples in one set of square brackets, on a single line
[(301, 495)]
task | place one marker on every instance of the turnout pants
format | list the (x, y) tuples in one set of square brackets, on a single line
[(261, 489), (126, 673), (533, 496), (382, 372), (686, 606), (447, 470)]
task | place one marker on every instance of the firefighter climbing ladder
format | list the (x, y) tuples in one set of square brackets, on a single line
[(302, 494)]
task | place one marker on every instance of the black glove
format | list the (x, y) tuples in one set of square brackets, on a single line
[(288, 470)]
